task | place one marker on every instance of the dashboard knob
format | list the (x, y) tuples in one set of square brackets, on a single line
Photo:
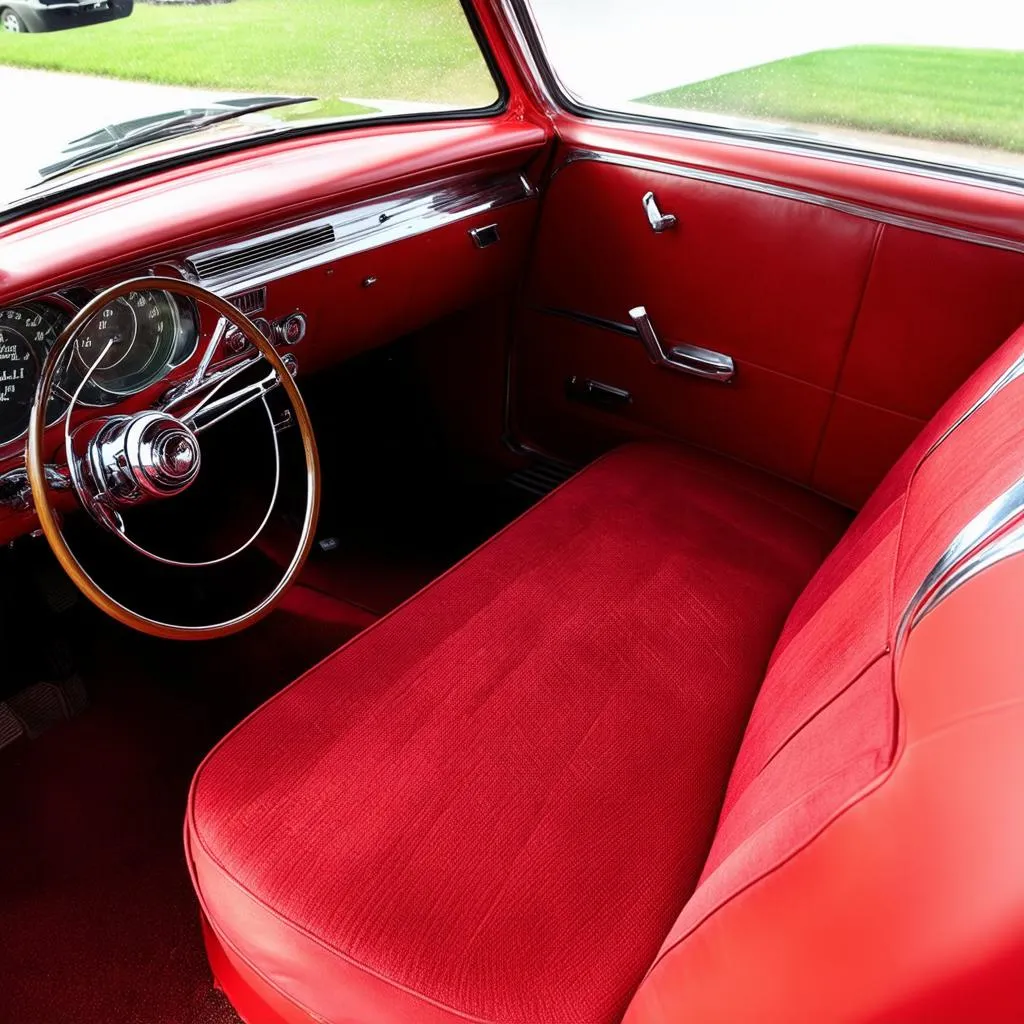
[(235, 341), (291, 330)]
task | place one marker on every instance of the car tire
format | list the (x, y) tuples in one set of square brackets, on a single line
[(11, 22)]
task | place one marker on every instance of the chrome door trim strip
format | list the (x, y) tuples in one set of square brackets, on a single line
[(832, 151), (590, 321), (369, 225), (797, 195)]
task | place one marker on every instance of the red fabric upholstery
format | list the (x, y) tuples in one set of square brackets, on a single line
[(825, 728), (493, 804)]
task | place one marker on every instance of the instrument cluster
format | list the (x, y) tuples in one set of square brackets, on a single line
[(128, 346)]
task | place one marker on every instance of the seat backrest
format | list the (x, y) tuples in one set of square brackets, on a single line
[(869, 859)]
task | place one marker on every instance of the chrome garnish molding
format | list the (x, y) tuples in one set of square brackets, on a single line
[(249, 264), (785, 192)]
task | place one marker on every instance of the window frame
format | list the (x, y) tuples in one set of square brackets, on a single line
[(521, 15), (199, 153)]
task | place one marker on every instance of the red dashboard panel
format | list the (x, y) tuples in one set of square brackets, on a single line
[(371, 298), (245, 193)]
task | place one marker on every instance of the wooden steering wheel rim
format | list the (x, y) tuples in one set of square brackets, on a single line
[(35, 464)]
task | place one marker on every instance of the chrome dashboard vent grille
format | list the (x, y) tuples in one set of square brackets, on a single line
[(246, 258), (250, 302)]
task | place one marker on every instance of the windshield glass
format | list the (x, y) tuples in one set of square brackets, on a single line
[(95, 85), (939, 80)]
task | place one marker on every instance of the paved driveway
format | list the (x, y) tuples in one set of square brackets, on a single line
[(62, 107), (46, 109)]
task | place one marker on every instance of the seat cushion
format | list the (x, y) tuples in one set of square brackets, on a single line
[(915, 912), (493, 804)]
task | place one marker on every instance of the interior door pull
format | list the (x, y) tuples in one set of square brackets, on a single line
[(701, 362), (659, 221)]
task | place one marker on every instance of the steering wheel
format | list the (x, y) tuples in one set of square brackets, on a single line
[(118, 461)]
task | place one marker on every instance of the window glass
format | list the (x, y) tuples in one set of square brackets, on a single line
[(94, 84), (928, 78)]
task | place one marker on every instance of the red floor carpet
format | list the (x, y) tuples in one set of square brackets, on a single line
[(98, 922)]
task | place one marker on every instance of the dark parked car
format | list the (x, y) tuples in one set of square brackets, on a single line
[(54, 15)]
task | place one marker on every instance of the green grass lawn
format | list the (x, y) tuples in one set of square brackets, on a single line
[(401, 49), (972, 96)]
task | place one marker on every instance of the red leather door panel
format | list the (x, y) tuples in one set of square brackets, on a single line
[(768, 281), (850, 324), (765, 418)]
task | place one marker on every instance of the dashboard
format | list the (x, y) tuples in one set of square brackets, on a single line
[(325, 280)]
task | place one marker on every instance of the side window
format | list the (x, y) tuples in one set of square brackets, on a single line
[(931, 79)]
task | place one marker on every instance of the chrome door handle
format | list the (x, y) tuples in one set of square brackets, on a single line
[(659, 221), (701, 362)]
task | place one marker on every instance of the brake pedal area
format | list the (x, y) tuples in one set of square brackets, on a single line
[(41, 687), (40, 707)]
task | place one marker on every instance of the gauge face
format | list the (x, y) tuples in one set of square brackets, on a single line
[(19, 371), (27, 333), (130, 343)]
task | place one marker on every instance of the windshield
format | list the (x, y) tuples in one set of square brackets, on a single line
[(98, 85)]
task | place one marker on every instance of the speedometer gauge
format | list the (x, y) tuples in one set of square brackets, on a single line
[(131, 342)]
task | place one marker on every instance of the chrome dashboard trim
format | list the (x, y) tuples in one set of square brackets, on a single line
[(797, 195), (370, 225)]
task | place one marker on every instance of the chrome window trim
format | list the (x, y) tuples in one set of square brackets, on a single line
[(369, 225), (797, 195), (817, 150), (536, 79)]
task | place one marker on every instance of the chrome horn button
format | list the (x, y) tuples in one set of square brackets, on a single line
[(150, 455), (172, 457)]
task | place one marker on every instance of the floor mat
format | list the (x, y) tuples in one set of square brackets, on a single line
[(99, 921)]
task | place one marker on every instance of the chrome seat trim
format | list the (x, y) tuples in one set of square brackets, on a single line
[(996, 533)]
